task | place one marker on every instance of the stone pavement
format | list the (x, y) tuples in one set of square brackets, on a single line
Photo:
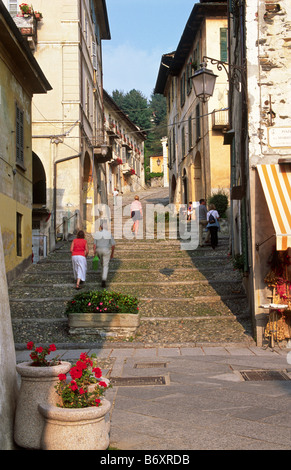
[(194, 398)]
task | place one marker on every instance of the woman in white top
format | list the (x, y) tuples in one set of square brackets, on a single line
[(136, 214), (213, 225)]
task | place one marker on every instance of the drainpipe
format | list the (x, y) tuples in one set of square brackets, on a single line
[(55, 185)]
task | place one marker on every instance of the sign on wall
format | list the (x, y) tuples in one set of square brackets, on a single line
[(279, 137)]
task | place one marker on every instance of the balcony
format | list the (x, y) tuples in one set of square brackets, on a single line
[(111, 129), (101, 155), (127, 170), (28, 28), (220, 120)]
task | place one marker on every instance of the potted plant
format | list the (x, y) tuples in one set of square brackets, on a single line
[(78, 422), (38, 15), (38, 380), (103, 313), (26, 10)]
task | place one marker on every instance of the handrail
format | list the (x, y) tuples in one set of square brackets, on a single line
[(74, 215)]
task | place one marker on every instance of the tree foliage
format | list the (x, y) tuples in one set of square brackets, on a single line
[(135, 106), (150, 116)]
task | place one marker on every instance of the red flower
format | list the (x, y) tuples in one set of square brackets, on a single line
[(62, 377), (52, 348), (39, 349), (98, 372), (103, 384), (76, 373), (81, 391), (30, 345), (97, 401), (73, 386), (81, 365), (86, 358)]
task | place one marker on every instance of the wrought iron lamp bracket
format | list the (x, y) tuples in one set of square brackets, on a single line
[(236, 74)]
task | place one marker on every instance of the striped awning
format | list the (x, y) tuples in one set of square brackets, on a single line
[(276, 183)]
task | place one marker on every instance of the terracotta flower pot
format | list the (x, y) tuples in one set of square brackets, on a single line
[(75, 428), (37, 386)]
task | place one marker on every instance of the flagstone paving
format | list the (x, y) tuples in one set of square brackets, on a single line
[(185, 296)]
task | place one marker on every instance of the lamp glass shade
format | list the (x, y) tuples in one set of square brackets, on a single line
[(204, 83), (103, 149)]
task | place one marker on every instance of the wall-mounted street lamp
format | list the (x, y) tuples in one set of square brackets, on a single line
[(203, 83), (204, 79), (104, 149)]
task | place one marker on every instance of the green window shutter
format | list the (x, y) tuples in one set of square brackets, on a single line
[(223, 44)]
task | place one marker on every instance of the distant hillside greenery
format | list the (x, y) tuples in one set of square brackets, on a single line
[(149, 115)]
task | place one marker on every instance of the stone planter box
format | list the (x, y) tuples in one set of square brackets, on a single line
[(117, 325)]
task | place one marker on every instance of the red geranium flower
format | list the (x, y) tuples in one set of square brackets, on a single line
[(103, 384), (98, 372)]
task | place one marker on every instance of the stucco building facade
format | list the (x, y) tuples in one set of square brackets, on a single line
[(67, 127), (199, 163), (260, 142), (21, 78), (125, 169)]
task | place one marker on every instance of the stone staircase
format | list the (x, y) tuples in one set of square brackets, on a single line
[(188, 297)]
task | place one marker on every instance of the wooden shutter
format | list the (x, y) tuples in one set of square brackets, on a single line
[(19, 136), (223, 44)]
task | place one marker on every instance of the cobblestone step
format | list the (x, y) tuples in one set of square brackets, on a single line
[(163, 275), (188, 289)]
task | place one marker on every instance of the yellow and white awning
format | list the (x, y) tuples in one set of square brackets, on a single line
[(276, 183)]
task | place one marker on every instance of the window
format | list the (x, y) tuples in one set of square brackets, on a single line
[(189, 74), (183, 142), (94, 55), (196, 57), (198, 128), (87, 99), (223, 44), (19, 137), (182, 89), (190, 143), (19, 234), (174, 145), (13, 7)]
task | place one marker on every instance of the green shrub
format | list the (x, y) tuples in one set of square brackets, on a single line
[(238, 262), (102, 302), (156, 175), (220, 200)]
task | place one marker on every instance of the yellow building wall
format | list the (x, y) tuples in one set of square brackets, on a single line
[(219, 153), (155, 168), (15, 180), (8, 229), (220, 162)]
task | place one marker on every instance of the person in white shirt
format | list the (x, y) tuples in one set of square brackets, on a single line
[(104, 246), (115, 194), (213, 225), (136, 214)]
